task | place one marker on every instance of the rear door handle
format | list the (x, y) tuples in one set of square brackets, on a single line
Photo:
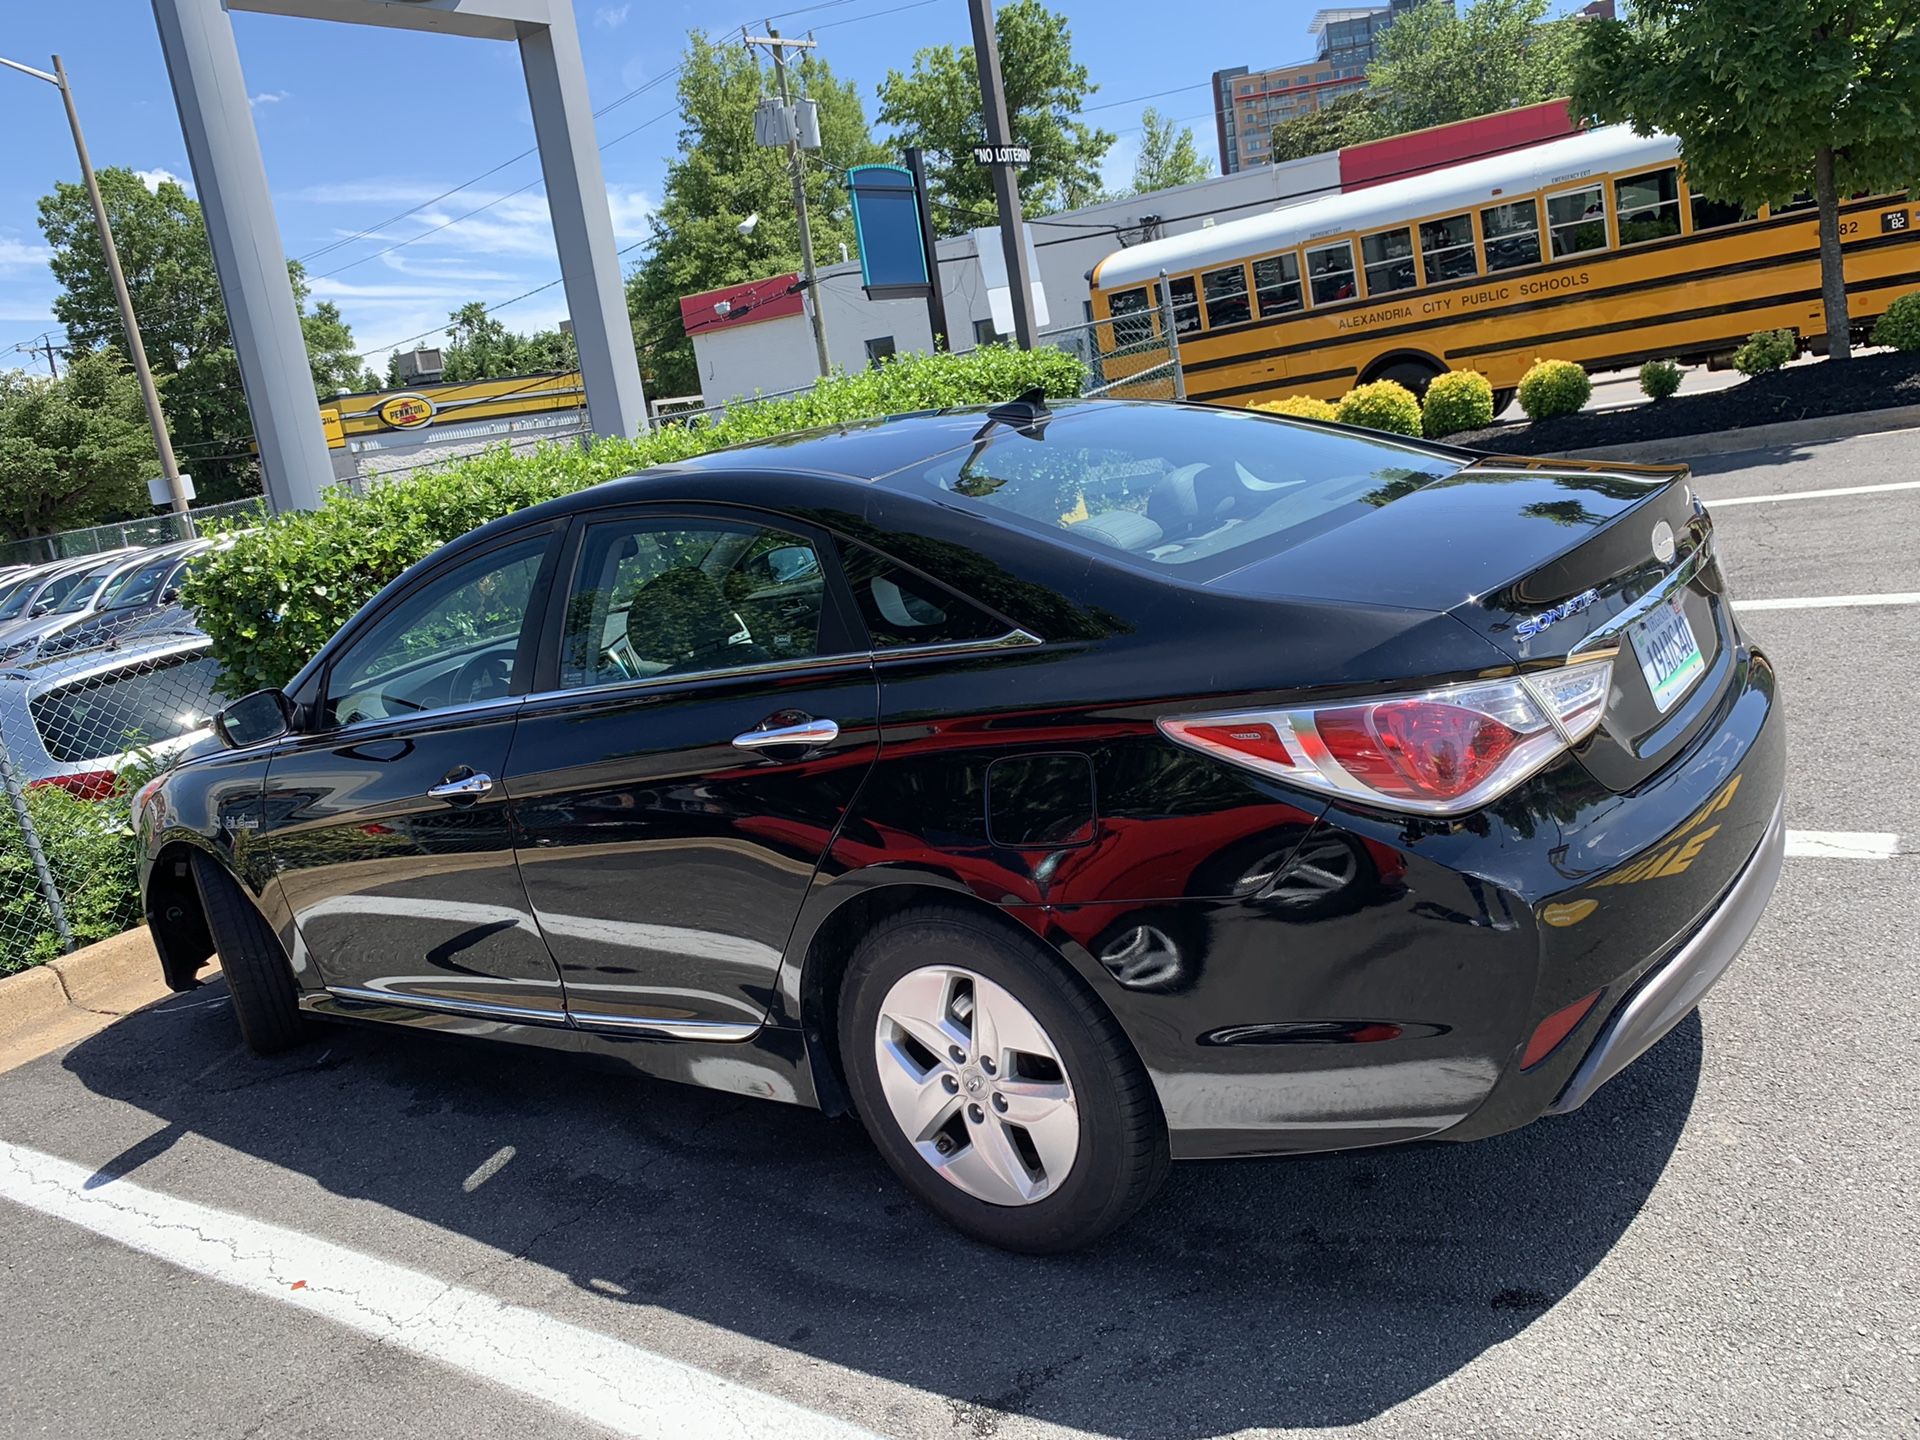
[(806, 735), (468, 787)]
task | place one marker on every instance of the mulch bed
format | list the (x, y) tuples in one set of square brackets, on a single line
[(1804, 392)]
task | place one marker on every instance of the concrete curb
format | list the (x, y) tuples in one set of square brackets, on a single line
[(1756, 437), (28, 1001), (111, 978)]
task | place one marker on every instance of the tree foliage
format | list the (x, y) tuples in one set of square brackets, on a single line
[(1337, 123), (936, 106), (479, 347), (1168, 156), (72, 450), (168, 264), (1437, 64), (1818, 96), (721, 177)]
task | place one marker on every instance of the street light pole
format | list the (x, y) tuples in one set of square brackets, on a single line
[(136, 351)]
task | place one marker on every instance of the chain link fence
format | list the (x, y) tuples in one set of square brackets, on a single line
[(153, 530), (78, 735), (1132, 357)]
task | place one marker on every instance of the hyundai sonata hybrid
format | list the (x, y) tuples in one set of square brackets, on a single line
[(1062, 791)]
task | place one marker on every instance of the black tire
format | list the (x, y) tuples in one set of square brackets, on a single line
[(1502, 401), (1416, 375), (258, 976), (1122, 1158)]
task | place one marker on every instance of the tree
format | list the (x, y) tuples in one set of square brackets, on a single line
[(1168, 157), (1436, 65), (1339, 122), (73, 450), (722, 177), (479, 347), (937, 107), (1807, 95), (168, 264)]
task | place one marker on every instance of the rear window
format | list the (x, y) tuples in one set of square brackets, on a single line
[(122, 711), (1195, 490)]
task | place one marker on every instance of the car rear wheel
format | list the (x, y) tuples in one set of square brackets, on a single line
[(995, 1085), (258, 976)]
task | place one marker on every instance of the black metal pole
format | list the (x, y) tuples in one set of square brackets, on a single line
[(930, 244), (1006, 185)]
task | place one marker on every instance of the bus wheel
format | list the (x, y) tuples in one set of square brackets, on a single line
[(1416, 375), (1501, 400)]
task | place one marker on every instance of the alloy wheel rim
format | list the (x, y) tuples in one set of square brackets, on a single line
[(976, 1085)]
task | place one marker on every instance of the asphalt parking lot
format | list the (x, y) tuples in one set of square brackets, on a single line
[(389, 1235)]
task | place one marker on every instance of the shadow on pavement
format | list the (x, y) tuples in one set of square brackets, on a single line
[(1290, 1293)]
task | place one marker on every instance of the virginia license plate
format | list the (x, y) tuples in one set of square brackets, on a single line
[(1669, 655)]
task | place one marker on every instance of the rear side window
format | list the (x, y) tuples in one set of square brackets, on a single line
[(111, 714), (902, 608)]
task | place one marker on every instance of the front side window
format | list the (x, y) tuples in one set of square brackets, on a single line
[(1226, 292), (111, 714), (1648, 206), (450, 642), (1276, 284), (1512, 233), (1577, 221), (655, 597), (1446, 249), (1132, 316), (57, 591), (1330, 272), (81, 596), (902, 608), (1389, 258), (137, 587)]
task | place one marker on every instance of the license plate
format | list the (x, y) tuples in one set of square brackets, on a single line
[(1669, 656)]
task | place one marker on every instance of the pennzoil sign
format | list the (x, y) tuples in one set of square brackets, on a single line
[(407, 412)]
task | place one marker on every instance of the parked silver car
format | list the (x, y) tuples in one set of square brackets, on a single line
[(75, 720), (142, 595), (27, 638)]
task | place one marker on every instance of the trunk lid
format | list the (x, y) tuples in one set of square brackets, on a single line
[(1543, 558)]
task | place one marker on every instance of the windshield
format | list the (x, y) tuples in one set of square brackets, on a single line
[(136, 587), (1203, 491), (82, 594)]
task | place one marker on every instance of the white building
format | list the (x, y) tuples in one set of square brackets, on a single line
[(762, 343)]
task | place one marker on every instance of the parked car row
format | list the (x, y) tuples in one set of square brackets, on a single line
[(100, 663)]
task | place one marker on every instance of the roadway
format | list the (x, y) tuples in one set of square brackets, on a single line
[(392, 1235)]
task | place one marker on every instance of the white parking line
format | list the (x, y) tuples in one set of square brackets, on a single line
[(1830, 602), (607, 1382), (1812, 494), (1842, 844)]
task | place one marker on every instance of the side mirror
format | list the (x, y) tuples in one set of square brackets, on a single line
[(170, 594), (254, 719)]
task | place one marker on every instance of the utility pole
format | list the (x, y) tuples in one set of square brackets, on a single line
[(30, 347), (136, 351), (1006, 184), (797, 164)]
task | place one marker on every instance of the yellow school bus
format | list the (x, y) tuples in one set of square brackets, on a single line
[(1590, 248)]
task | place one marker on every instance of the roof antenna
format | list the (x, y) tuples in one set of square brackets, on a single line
[(1027, 410)]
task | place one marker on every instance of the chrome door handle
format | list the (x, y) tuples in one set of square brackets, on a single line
[(807, 735), (471, 787)]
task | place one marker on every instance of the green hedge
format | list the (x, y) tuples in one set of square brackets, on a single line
[(1765, 352), (1900, 326), (1659, 379), (1554, 387), (1458, 400), (1384, 405), (1301, 407), (90, 849), (276, 597)]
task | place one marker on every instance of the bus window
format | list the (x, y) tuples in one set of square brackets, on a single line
[(1713, 214), (1330, 269), (1276, 284), (1226, 292), (1513, 234), (1389, 257), (1802, 201), (1577, 221), (1186, 306), (1131, 322), (1648, 206), (1446, 249)]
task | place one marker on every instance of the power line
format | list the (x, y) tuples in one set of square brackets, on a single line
[(1136, 99)]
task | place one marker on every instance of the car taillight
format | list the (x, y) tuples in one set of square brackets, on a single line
[(85, 784), (1442, 752)]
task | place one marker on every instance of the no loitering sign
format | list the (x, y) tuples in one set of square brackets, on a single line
[(1003, 154)]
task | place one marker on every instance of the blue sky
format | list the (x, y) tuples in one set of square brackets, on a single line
[(358, 123)]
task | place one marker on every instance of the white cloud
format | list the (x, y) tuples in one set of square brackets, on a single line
[(268, 97), (154, 179), (17, 255), (612, 17)]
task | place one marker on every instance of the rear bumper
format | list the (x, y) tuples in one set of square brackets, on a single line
[(1671, 991)]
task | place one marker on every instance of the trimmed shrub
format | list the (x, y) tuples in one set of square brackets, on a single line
[(1458, 400), (1900, 326), (1384, 405), (1301, 407), (1553, 388), (1659, 379), (1766, 350), (282, 590)]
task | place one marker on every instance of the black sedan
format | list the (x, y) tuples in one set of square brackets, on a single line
[(1062, 792)]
